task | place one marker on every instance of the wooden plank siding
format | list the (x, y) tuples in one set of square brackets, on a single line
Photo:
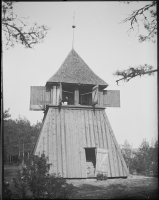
[(54, 141), (67, 144), (58, 128), (117, 146), (63, 144), (70, 131), (37, 97), (111, 98), (99, 129), (87, 128)]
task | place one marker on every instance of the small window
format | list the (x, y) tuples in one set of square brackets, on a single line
[(85, 97), (67, 95)]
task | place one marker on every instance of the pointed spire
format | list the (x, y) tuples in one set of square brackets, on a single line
[(73, 26)]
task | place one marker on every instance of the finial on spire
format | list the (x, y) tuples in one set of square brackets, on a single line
[(73, 26), (73, 21)]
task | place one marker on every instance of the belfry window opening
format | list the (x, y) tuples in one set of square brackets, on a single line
[(67, 96), (85, 96)]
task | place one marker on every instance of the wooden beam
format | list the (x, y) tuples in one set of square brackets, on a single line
[(76, 97)]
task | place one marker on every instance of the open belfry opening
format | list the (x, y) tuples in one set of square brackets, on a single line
[(76, 135)]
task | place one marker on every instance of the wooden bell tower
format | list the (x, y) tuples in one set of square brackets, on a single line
[(76, 135)]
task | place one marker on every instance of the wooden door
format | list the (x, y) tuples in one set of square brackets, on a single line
[(111, 98), (101, 161)]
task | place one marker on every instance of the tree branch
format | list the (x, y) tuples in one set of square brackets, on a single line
[(133, 72), (150, 26), (20, 33)]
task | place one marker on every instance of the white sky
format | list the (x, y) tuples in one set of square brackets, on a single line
[(103, 43)]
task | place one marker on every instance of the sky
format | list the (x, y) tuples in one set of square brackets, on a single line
[(103, 43)]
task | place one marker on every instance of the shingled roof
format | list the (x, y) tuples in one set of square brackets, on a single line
[(74, 70)]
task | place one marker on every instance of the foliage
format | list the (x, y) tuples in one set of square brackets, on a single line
[(35, 182), (19, 137), (17, 30), (154, 158), (128, 155), (133, 72), (147, 158), (6, 114), (142, 161), (101, 176), (7, 191), (148, 16)]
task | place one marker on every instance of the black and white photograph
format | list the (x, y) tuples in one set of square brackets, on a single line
[(79, 100)]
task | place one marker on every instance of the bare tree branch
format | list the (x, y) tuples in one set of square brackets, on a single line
[(151, 26), (18, 31)]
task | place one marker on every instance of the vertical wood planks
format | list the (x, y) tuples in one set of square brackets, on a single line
[(51, 140), (67, 144), (91, 128), (74, 146), (37, 97), (59, 160), (87, 128), (120, 165), (67, 131), (116, 144), (63, 144), (111, 164), (111, 98), (81, 171), (95, 129), (83, 144), (99, 130), (78, 142), (103, 130), (54, 141), (48, 135), (114, 157), (83, 128), (69, 122), (81, 148)]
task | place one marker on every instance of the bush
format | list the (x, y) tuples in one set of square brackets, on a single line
[(7, 192), (35, 182), (101, 176)]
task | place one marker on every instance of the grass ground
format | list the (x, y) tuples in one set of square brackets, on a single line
[(130, 188), (134, 187), (10, 171)]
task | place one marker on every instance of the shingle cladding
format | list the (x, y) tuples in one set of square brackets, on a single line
[(74, 70)]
